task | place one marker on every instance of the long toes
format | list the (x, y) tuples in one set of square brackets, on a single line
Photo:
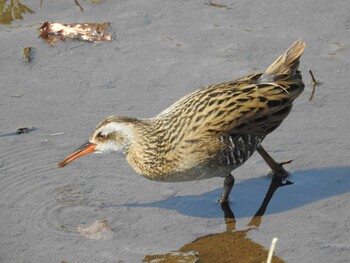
[(287, 182), (281, 181), (279, 170), (285, 162)]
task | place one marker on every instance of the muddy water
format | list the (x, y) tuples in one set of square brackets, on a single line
[(42, 210), (229, 245), (226, 247), (308, 186), (39, 210), (233, 245), (31, 193)]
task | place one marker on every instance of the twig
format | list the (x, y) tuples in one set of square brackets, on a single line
[(57, 133), (217, 5), (272, 249), (314, 83), (78, 4)]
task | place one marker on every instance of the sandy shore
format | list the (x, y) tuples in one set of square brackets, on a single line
[(162, 51)]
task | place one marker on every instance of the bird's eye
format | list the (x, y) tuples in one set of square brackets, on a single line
[(102, 136)]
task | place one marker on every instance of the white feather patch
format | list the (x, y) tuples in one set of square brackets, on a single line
[(111, 145)]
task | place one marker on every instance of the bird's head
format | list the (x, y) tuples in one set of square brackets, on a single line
[(114, 134)]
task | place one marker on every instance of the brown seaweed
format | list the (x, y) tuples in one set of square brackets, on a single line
[(13, 11)]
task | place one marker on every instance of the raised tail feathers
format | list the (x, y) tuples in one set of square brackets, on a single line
[(286, 65)]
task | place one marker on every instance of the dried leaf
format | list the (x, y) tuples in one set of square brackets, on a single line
[(92, 32), (13, 11), (2, 5)]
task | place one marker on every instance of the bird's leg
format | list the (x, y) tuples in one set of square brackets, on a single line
[(276, 167), (228, 184)]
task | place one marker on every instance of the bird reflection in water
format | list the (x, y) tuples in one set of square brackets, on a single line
[(229, 246)]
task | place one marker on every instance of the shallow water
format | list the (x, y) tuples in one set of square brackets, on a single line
[(252, 199), (229, 245), (309, 186), (162, 51), (232, 244), (41, 205)]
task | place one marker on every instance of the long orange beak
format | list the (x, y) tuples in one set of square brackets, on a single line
[(84, 149)]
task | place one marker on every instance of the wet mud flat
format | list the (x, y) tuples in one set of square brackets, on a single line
[(228, 245), (312, 185), (99, 210)]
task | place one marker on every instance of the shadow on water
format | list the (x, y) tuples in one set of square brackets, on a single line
[(233, 245), (309, 186), (229, 245)]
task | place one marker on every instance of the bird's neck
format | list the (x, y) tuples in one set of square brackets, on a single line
[(143, 151)]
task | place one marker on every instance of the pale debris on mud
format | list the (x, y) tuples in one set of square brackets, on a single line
[(99, 230)]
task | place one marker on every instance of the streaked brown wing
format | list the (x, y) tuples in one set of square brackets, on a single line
[(254, 108)]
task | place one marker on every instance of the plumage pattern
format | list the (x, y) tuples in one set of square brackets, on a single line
[(211, 131), (217, 128)]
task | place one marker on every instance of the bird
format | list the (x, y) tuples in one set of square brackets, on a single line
[(209, 132)]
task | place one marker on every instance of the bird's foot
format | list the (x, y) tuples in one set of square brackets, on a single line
[(281, 181), (276, 167), (279, 171), (287, 182)]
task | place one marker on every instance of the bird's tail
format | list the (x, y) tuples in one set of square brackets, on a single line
[(286, 66)]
